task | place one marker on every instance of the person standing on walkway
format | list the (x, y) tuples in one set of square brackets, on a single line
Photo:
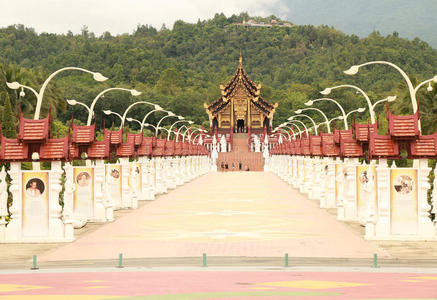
[(223, 166), (233, 167), (240, 165), (226, 166)]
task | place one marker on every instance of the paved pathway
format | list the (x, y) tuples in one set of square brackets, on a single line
[(223, 214), (188, 285)]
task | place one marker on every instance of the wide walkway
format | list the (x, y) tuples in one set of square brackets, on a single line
[(252, 214)]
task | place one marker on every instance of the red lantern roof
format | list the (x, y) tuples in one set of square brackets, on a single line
[(13, 150), (424, 147), (383, 146), (34, 131), (362, 131), (55, 149), (351, 148), (403, 127), (84, 134), (99, 150)]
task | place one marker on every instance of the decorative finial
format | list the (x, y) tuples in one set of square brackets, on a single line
[(241, 58)]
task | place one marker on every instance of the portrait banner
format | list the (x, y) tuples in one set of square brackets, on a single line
[(366, 189), (339, 178), (403, 201), (83, 197), (135, 175), (116, 183), (35, 204)]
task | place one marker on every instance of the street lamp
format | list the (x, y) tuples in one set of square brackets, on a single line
[(308, 117), (284, 125), (179, 121), (109, 112), (327, 91), (91, 107), (311, 102), (200, 139), (299, 111), (169, 114), (354, 70), (179, 130), (143, 122), (360, 110), (186, 131), (123, 118), (288, 134), (300, 122), (190, 134), (388, 99), (39, 95), (155, 106)]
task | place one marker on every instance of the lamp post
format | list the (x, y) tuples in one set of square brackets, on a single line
[(109, 112), (199, 135), (143, 122), (327, 91), (284, 125), (155, 106), (311, 102), (179, 130), (91, 107), (179, 121), (288, 134), (39, 95), (301, 123), (186, 131), (308, 117), (354, 70), (190, 134), (360, 110), (299, 111), (169, 114)]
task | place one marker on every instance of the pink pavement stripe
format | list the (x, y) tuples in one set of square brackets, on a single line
[(341, 285), (223, 214)]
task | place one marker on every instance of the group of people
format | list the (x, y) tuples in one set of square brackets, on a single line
[(225, 167)]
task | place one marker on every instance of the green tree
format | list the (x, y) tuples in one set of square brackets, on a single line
[(8, 119)]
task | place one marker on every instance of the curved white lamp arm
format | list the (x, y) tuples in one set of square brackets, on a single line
[(360, 110), (133, 120), (434, 79), (369, 103), (308, 117), (354, 69), (179, 121), (15, 85), (133, 93), (169, 114), (97, 77), (301, 123), (290, 129), (148, 114), (179, 132), (320, 111), (108, 112), (309, 103), (191, 133), (132, 105)]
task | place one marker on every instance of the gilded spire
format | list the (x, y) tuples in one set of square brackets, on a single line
[(241, 58)]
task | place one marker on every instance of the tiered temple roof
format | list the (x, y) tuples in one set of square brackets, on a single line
[(228, 91)]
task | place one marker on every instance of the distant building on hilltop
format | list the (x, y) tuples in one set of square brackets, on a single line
[(253, 23)]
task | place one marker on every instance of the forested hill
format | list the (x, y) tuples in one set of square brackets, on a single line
[(182, 68)]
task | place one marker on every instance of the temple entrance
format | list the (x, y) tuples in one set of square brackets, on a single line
[(240, 125)]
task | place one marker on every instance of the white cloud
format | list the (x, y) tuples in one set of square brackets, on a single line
[(120, 16)]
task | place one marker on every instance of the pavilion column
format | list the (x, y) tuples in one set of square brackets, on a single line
[(99, 205)]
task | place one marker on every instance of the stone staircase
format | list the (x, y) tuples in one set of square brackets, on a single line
[(240, 153)]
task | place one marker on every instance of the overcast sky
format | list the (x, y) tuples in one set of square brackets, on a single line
[(121, 16)]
